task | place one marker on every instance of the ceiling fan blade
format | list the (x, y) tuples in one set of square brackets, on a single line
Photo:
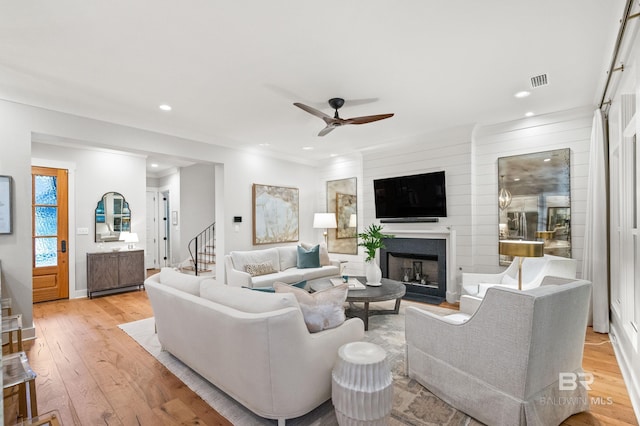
[(313, 111), (366, 119), (326, 130)]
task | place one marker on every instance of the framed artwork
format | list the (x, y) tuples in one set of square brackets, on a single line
[(346, 207), (5, 205), (275, 214), (343, 201)]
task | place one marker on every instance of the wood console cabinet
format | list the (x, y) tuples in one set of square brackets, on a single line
[(113, 270)]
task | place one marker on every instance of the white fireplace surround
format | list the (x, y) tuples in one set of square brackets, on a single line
[(448, 234)]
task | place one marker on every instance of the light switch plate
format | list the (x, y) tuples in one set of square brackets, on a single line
[(83, 231)]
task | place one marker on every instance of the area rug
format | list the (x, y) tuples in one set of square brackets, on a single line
[(413, 404)]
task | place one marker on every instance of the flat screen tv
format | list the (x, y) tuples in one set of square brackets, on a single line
[(415, 196)]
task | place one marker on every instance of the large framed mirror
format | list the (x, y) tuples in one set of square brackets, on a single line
[(534, 199), (112, 216), (342, 200)]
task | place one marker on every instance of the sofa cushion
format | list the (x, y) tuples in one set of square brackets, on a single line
[(269, 289), (325, 271), (290, 276), (288, 257), (262, 268), (308, 258), (321, 310), (180, 281), (245, 300), (242, 258), (324, 253)]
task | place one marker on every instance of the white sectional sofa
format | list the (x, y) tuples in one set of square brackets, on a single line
[(252, 345), (284, 262)]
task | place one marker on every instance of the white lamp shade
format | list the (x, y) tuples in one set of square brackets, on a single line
[(324, 220), (129, 237), (353, 221)]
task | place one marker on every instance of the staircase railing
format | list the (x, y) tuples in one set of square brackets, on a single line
[(202, 249)]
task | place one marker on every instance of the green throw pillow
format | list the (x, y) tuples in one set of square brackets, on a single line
[(309, 258), (301, 284)]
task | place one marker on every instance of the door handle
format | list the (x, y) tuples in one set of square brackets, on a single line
[(64, 246)]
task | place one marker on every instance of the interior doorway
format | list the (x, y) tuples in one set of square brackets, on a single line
[(165, 248)]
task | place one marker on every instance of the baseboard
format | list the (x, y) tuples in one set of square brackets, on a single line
[(626, 367)]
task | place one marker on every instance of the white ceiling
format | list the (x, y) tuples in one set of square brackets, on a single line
[(232, 70)]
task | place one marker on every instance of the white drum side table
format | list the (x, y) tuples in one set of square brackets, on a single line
[(362, 385)]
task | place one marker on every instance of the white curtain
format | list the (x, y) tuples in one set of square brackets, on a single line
[(594, 260)]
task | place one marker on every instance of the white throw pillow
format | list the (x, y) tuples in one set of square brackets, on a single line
[(180, 281), (321, 310), (247, 300), (324, 253), (288, 257)]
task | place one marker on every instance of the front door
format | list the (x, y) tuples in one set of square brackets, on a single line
[(50, 234)]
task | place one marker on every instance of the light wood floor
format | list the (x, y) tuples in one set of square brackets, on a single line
[(93, 373)]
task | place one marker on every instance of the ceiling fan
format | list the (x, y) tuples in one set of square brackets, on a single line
[(336, 121)]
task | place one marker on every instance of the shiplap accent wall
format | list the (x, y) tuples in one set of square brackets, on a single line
[(568, 129), (469, 156), (449, 151)]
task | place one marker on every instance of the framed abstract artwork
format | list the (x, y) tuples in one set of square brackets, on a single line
[(346, 209), (342, 200), (5, 205), (275, 214)]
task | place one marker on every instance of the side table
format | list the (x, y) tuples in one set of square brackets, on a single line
[(362, 385)]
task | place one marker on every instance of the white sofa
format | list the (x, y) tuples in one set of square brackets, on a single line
[(503, 365), (534, 269), (284, 261), (252, 345)]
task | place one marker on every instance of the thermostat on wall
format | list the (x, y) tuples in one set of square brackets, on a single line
[(237, 219)]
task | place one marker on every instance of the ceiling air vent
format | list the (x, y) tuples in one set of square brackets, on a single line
[(539, 81)]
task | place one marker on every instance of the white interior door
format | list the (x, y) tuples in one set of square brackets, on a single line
[(151, 253)]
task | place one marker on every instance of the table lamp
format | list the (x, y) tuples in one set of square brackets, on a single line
[(131, 238), (325, 221), (520, 249)]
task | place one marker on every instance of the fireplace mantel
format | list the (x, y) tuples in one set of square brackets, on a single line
[(446, 233)]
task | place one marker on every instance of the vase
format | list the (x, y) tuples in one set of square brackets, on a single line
[(373, 273)]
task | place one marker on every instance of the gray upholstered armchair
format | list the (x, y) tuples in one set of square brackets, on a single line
[(503, 365)]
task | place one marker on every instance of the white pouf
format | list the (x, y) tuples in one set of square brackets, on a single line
[(362, 385)]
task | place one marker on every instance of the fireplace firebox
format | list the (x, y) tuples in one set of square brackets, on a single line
[(421, 264)]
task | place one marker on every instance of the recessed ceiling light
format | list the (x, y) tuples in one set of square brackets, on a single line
[(516, 179), (522, 94), (307, 148), (529, 114), (165, 107), (154, 165), (547, 159), (333, 155), (264, 144)]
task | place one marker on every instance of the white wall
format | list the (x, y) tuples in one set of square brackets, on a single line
[(567, 129), (96, 173), (342, 167), (241, 169), (197, 203)]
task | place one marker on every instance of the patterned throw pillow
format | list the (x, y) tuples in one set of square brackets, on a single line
[(321, 310), (262, 268)]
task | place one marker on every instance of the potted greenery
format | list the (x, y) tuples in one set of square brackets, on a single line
[(372, 239)]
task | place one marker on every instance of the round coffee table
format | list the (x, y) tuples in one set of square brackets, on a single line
[(389, 290)]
